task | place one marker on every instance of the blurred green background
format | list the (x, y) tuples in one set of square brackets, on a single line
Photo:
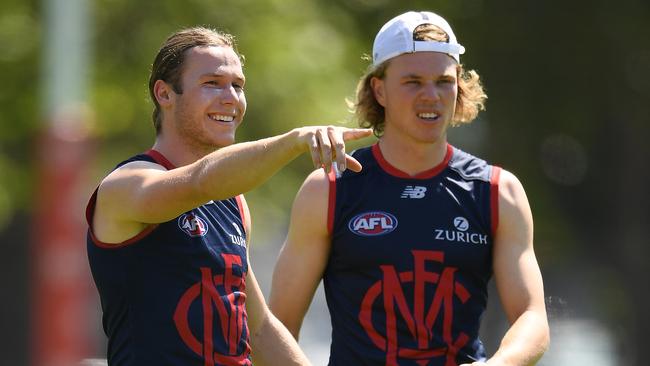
[(568, 112)]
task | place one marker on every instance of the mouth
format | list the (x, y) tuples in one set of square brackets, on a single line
[(221, 117), (429, 116)]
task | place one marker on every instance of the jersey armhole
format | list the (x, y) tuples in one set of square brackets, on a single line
[(494, 198), (331, 202), (90, 211)]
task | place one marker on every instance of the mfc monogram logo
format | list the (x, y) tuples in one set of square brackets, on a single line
[(420, 320), (231, 314)]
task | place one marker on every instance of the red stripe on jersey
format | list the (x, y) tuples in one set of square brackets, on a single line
[(160, 159), (494, 198), (331, 204), (390, 169), (90, 211), (241, 204)]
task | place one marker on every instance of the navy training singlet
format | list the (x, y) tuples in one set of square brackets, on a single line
[(411, 257), (175, 293)]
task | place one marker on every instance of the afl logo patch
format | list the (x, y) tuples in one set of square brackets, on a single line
[(373, 223), (192, 225)]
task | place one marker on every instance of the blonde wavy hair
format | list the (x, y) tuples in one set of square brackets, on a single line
[(469, 102)]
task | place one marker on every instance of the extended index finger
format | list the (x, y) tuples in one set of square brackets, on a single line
[(356, 133)]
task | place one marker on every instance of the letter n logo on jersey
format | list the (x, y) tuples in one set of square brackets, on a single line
[(223, 337), (373, 223), (192, 225)]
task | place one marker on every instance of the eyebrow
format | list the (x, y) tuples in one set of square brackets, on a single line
[(411, 76), (218, 75), (416, 76)]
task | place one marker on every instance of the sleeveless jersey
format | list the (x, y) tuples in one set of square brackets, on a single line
[(411, 257), (174, 294)]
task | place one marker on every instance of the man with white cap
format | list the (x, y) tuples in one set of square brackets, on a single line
[(407, 246)]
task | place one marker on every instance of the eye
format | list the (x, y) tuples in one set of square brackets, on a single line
[(238, 86), (412, 82)]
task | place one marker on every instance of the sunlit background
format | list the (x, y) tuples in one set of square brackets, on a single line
[(568, 112)]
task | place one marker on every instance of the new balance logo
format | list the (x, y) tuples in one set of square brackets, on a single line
[(414, 192)]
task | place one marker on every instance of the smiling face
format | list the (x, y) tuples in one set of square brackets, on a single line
[(212, 104), (418, 93)]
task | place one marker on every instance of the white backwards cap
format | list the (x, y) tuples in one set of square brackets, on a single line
[(396, 37)]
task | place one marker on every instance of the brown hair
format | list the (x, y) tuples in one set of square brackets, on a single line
[(168, 64), (470, 99)]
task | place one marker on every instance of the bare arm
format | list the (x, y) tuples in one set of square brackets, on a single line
[(142, 193), (304, 255), (271, 343), (518, 279)]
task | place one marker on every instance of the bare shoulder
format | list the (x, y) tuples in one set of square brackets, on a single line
[(124, 184), (316, 183), (515, 217), (311, 205), (118, 197), (511, 191), (130, 171), (116, 187), (313, 193)]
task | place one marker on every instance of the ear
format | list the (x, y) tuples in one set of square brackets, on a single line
[(378, 90), (164, 93)]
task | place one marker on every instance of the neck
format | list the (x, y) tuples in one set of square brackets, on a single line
[(413, 159), (176, 152)]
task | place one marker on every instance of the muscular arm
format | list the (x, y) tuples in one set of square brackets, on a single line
[(271, 343), (518, 279), (304, 255), (142, 193)]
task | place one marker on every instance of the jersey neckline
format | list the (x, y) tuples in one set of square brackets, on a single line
[(160, 159), (390, 169)]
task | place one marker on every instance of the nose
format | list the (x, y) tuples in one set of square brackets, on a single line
[(229, 95), (430, 92)]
